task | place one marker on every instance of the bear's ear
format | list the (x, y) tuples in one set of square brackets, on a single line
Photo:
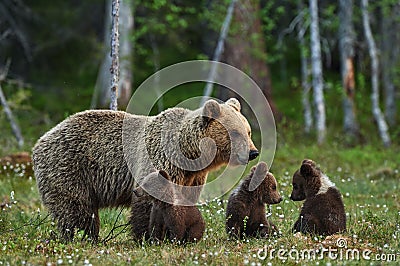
[(258, 175), (211, 110), (308, 170), (234, 103), (308, 161)]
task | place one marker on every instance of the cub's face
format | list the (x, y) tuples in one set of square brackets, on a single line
[(298, 183), (307, 181), (269, 193), (157, 185), (231, 132)]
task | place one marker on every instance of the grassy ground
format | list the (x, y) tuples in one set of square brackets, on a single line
[(368, 178)]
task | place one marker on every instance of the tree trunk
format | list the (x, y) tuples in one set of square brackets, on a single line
[(389, 55), (3, 101), (346, 48), (218, 50), (126, 28), (14, 126), (377, 113), (114, 54), (102, 93), (316, 66), (246, 50), (305, 71)]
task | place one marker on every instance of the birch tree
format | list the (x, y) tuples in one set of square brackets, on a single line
[(102, 93), (346, 49), (390, 34), (376, 111), (305, 70), (114, 54), (3, 101), (125, 52), (316, 69), (218, 50)]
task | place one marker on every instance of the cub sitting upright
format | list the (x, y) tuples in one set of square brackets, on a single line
[(177, 223), (323, 210), (245, 214)]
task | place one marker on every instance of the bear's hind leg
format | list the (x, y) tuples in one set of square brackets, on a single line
[(78, 216), (66, 229), (91, 226), (195, 232)]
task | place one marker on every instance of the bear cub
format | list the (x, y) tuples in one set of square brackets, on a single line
[(180, 224), (323, 210), (245, 213)]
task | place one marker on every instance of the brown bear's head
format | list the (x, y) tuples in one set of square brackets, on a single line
[(316, 182), (267, 192), (156, 184), (298, 183), (230, 131)]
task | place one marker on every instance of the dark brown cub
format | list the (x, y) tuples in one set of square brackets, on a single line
[(245, 214), (323, 210)]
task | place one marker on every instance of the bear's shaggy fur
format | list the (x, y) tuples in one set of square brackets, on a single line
[(245, 213), (140, 217), (323, 210), (93, 159), (179, 224)]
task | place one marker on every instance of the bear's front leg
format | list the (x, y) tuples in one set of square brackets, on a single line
[(157, 226), (176, 229), (297, 227)]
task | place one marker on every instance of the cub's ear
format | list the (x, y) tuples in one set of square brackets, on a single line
[(234, 103), (309, 161), (259, 174), (308, 170), (211, 110)]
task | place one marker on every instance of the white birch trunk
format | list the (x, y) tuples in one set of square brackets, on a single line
[(14, 126), (305, 72), (156, 64), (390, 55), (317, 80), (346, 48), (114, 54), (3, 101), (218, 51), (377, 113), (126, 28), (102, 93)]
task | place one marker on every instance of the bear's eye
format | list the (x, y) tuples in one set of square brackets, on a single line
[(249, 133), (235, 134)]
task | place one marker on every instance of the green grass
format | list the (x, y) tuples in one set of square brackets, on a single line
[(368, 178)]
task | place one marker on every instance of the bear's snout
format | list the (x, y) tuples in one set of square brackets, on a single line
[(280, 199), (297, 196), (253, 154)]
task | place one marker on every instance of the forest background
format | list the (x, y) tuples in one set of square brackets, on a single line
[(336, 103)]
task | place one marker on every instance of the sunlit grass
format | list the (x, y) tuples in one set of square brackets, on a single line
[(28, 235)]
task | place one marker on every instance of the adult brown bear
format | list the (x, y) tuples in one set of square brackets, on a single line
[(95, 158)]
